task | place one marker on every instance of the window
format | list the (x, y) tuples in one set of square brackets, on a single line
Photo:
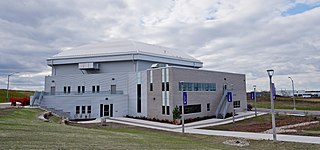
[(151, 86), (138, 98), (69, 89), (89, 109), (83, 89), (236, 104), (83, 109), (187, 86), (98, 88), (167, 86), (53, 90), (106, 110), (162, 86), (189, 109), (79, 89), (168, 110), (208, 107), (64, 89), (93, 89), (77, 109), (163, 109)]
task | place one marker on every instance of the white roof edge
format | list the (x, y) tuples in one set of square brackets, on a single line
[(120, 48)]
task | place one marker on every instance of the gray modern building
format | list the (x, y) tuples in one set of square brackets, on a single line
[(120, 78)]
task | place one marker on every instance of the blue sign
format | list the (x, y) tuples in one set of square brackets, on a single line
[(185, 98), (252, 95), (229, 94), (273, 91)]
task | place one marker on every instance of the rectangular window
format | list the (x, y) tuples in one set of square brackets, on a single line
[(101, 110), (83, 89), (168, 110), (79, 89), (188, 86), (64, 89), (151, 86), (83, 109), (93, 89), (163, 109), (236, 104), (69, 89), (189, 109), (138, 98), (162, 86), (53, 90), (167, 86), (98, 88), (106, 110), (77, 109), (208, 107), (89, 109)]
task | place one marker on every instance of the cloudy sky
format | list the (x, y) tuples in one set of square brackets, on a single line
[(241, 36)]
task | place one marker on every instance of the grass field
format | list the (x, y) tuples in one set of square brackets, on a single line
[(20, 129), (13, 93), (283, 102)]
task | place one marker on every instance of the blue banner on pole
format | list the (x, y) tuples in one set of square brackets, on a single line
[(252, 95), (273, 91), (229, 94), (185, 98)]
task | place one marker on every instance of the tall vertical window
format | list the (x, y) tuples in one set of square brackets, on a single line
[(83, 89), (162, 86), (163, 109), (151, 80), (89, 109), (64, 89), (208, 107), (98, 88), (83, 109), (167, 86), (168, 110), (163, 97), (93, 89), (69, 89), (77, 109), (79, 89), (151, 86), (139, 98)]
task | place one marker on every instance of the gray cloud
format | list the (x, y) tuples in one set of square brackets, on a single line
[(245, 36)]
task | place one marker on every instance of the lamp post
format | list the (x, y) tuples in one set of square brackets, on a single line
[(182, 106), (294, 99), (255, 100), (7, 98), (270, 73)]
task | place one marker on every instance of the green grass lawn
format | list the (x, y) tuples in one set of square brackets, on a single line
[(13, 93), (20, 129), (285, 104)]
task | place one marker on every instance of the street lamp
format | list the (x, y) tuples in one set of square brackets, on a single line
[(181, 84), (255, 100), (294, 99), (270, 73), (7, 98)]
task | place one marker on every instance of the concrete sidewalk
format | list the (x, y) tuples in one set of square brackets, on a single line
[(290, 111), (193, 128)]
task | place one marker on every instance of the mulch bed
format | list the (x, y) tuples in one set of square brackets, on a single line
[(265, 125)]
